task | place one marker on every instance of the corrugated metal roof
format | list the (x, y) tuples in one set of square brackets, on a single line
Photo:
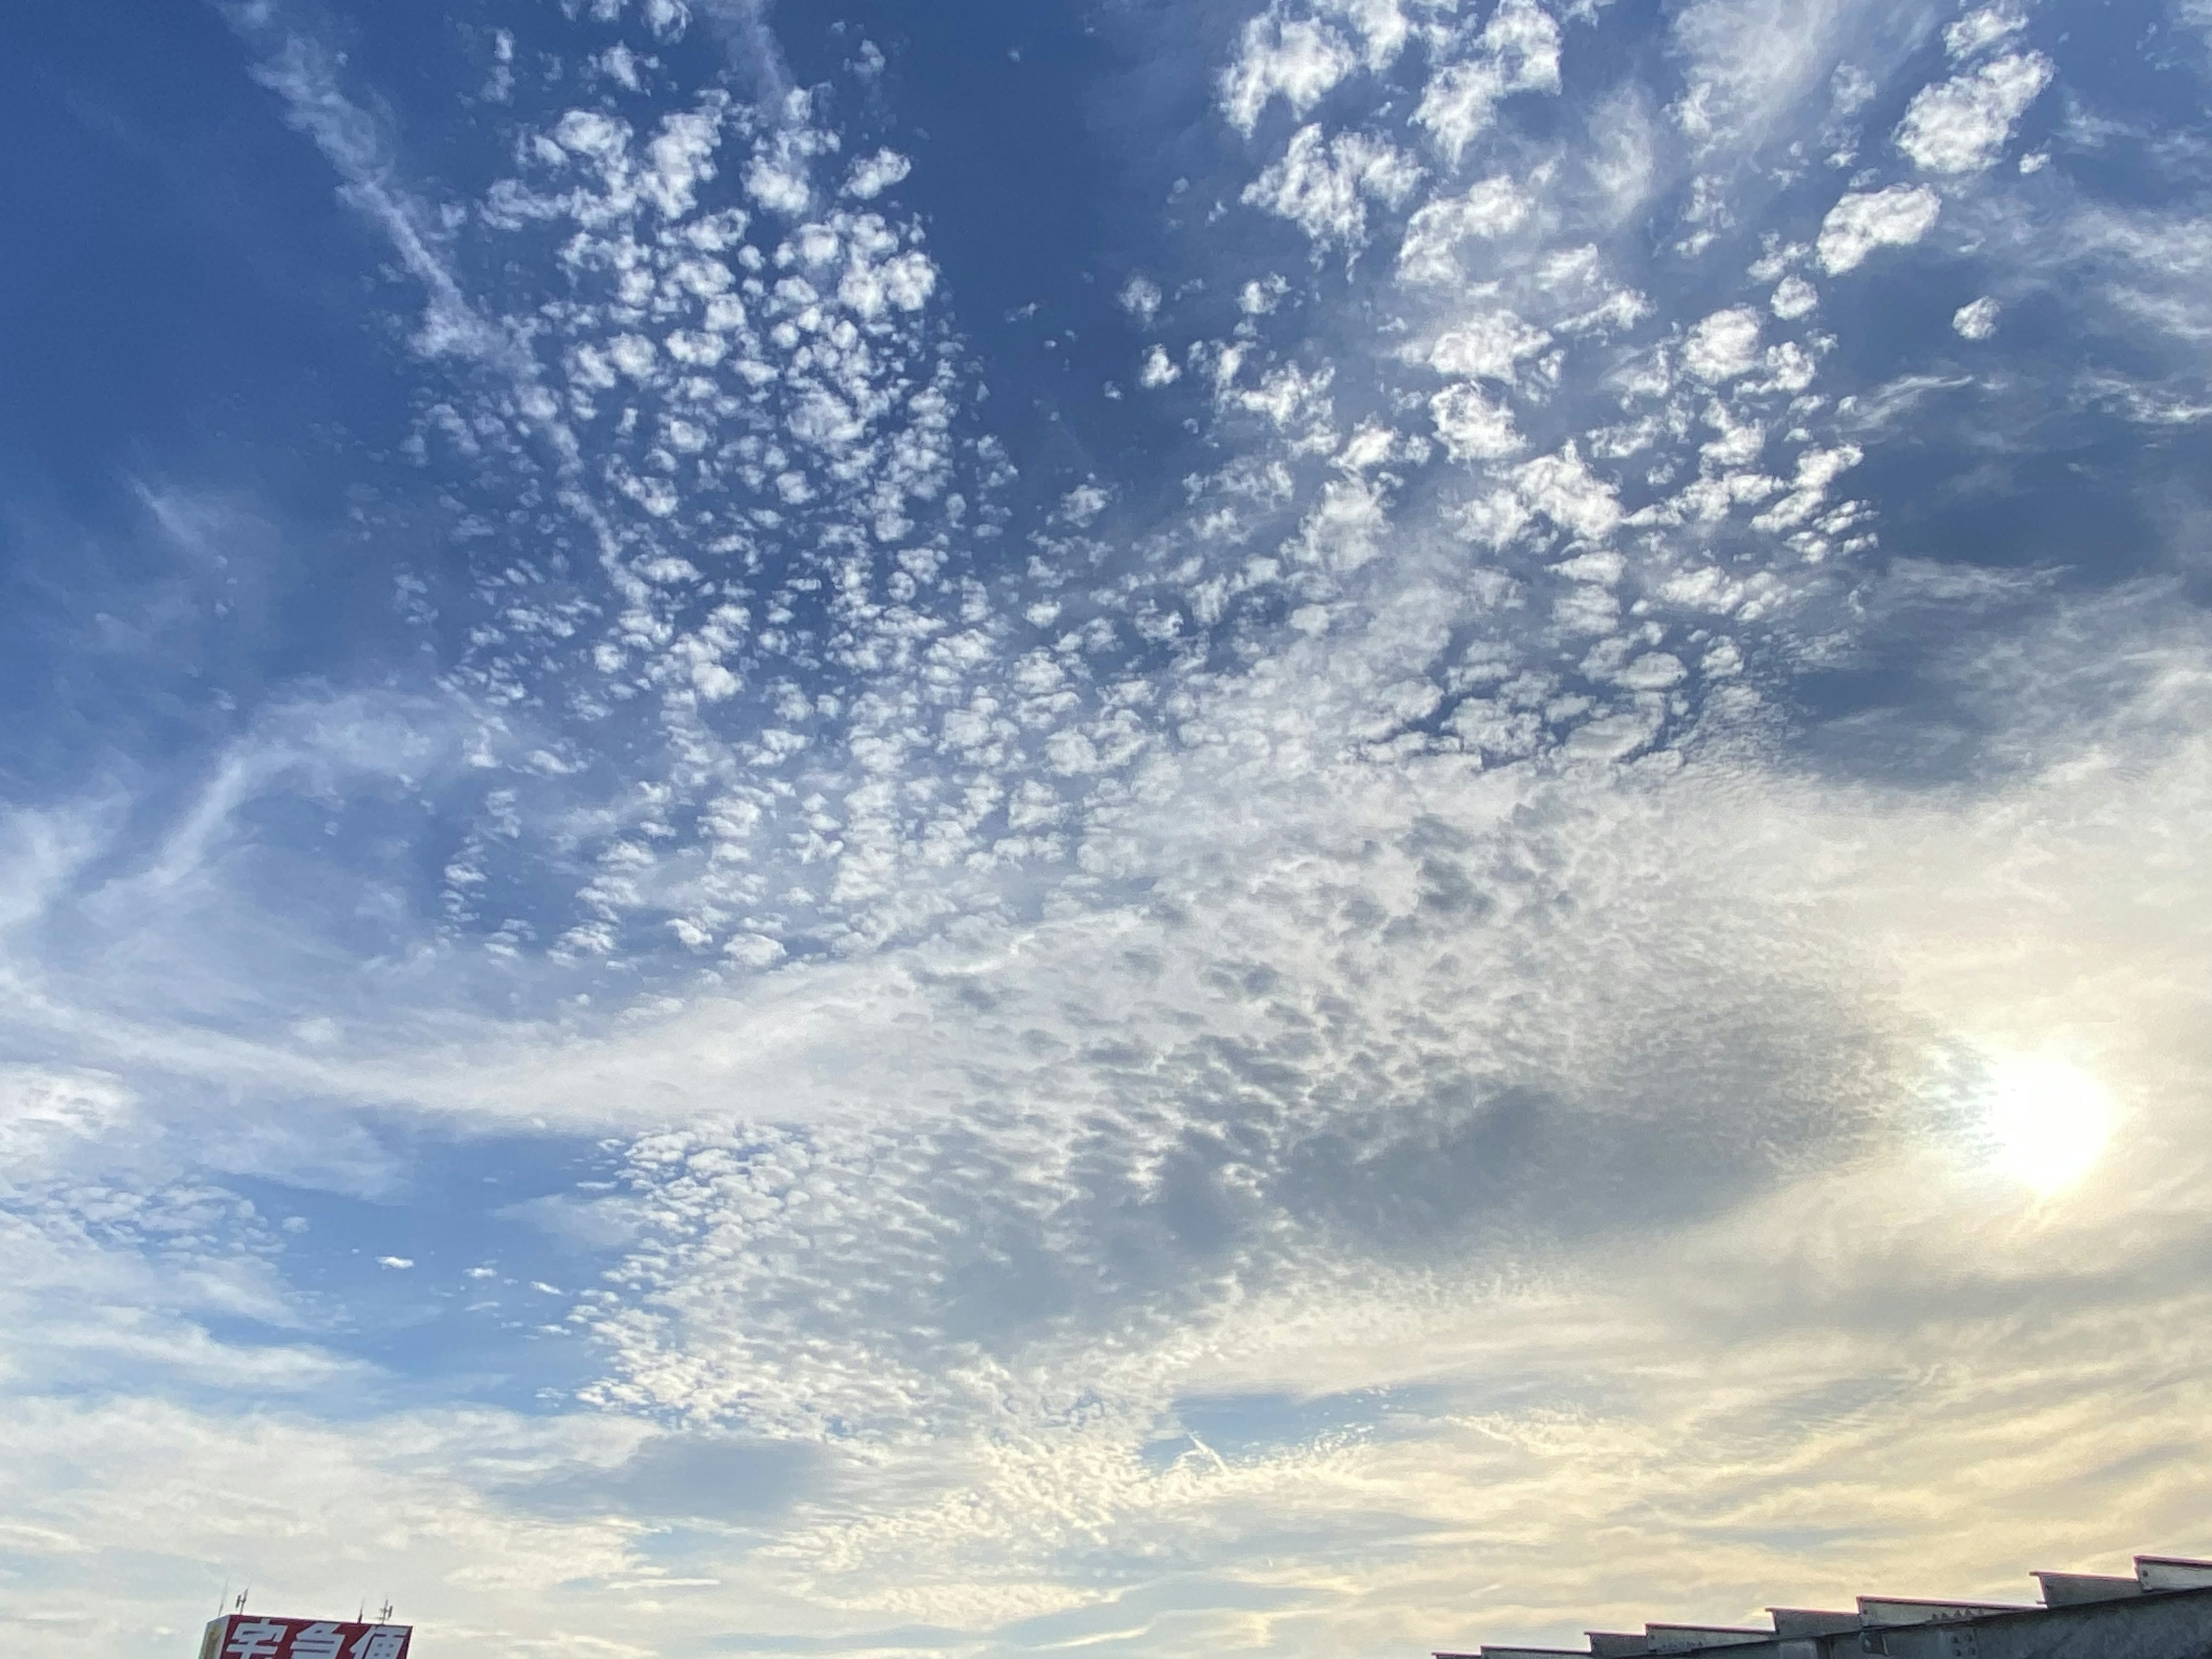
[(2155, 1576)]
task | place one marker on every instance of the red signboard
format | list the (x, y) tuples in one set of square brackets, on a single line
[(258, 1636)]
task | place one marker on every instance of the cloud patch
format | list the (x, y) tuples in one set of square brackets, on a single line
[(1962, 124), (1897, 217)]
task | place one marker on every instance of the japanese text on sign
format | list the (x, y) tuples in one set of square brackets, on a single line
[(251, 1636)]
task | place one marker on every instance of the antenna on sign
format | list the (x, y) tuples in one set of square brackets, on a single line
[(360, 1616), (384, 1612), (223, 1601), (239, 1606)]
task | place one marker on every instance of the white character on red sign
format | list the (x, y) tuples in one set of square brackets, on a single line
[(380, 1642), (254, 1638), (318, 1641)]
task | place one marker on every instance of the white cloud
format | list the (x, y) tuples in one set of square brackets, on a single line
[(1562, 488), (1324, 185), (1494, 520), (1491, 346), (1816, 470), (1895, 218), (1752, 65), (1382, 26), (1978, 319), (1472, 425), (1083, 504), (592, 133), (177, 1485), (872, 175), (47, 1117), (1723, 345), (1794, 297), (679, 159), (1851, 89), (1261, 295), (1494, 208), (762, 1219), (1141, 298), (1517, 51), (1299, 60), (1962, 124), (305, 76), (776, 184), (1980, 29)]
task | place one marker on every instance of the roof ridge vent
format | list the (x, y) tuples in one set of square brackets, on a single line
[(1617, 1644), (2171, 1572), (2075, 1590)]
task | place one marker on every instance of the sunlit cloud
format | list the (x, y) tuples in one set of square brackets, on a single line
[(1158, 831)]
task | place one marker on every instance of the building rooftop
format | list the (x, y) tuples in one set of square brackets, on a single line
[(2163, 1612)]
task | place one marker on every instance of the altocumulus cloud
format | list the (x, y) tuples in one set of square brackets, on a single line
[(1230, 991)]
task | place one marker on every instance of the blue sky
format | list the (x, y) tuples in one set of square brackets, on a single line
[(1323, 827)]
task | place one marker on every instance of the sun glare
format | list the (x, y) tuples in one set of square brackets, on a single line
[(2048, 1119)]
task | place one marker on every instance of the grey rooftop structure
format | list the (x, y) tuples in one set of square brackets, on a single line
[(2163, 1612)]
